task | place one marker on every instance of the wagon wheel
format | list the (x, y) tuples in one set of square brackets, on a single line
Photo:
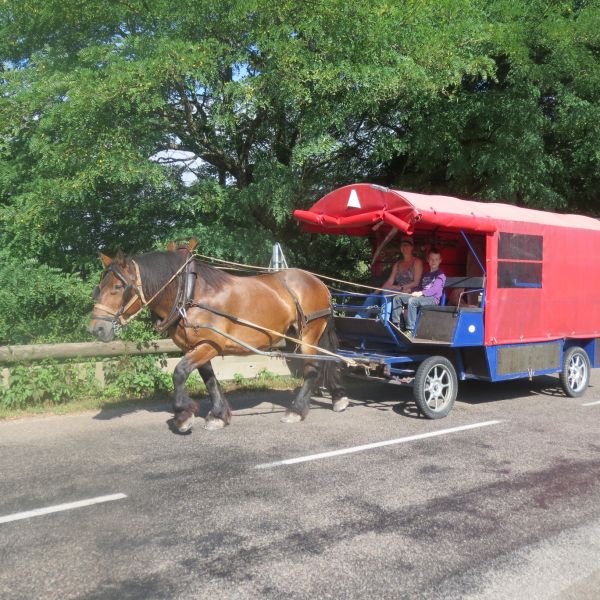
[(435, 387), (575, 374)]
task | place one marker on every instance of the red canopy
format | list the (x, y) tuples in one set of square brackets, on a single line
[(359, 208)]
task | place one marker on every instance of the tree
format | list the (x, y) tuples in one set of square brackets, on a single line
[(282, 102)]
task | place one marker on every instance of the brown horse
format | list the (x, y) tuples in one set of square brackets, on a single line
[(208, 313)]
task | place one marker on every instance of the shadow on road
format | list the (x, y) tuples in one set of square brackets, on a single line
[(469, 392), (242, 400), (373, 394)]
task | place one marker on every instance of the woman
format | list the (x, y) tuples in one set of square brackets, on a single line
[(406, 275)]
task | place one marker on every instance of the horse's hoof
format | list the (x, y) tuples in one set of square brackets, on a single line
[(291, 417), (341, 404), (214, 424), (186, 425)]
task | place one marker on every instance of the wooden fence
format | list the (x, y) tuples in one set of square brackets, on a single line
[(225, 367), (18, 354)]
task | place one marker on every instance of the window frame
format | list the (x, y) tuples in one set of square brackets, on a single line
[(524, 250)]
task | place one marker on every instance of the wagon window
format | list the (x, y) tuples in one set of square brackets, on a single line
[(520, 260), (516, 246)]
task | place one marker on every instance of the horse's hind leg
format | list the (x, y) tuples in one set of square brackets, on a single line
[(298, 411), (220, 413), (301, 404), (330, 371), (332, 380)]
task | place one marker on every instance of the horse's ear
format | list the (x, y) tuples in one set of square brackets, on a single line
[(106, 260), (120, 259), (171, 247), (192, 244)]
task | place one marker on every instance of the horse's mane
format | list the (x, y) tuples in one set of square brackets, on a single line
[(214, 278), (156, 268)]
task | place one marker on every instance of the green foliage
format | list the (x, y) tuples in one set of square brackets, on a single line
[(40, 303), (280, 102), (135, 376), (47, 383), (264, 373), (139, 330)]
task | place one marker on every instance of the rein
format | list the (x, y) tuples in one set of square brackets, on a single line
[(317, 275), (316, 315)]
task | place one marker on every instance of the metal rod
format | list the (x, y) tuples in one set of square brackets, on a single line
[(275, 353), (473, 251)]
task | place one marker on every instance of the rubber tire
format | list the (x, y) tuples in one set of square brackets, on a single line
[(564, 374), (419, 391)]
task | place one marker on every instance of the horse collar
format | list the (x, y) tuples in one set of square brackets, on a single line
[(185, 292)]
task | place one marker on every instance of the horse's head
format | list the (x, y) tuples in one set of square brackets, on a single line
[(116, 298)]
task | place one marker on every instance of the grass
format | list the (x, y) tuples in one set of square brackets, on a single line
[(263, 381)]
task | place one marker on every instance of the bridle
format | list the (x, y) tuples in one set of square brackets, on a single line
[(118, 319), (132, 292)]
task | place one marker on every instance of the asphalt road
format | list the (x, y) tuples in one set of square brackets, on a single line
[(509, 509)]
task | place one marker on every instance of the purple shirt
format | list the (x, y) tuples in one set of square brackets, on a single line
[(432, 285)]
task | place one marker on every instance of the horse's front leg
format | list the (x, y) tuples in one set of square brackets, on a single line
[(220, 413), (184, 408)]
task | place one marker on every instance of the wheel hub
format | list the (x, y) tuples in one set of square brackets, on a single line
[(436, 388)]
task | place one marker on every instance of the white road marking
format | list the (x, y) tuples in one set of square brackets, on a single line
[(591, 403), (60, 507), (410, 438)]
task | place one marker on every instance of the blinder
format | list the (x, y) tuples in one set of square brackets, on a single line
[(127, 292)]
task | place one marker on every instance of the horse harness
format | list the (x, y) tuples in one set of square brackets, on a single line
[(183, 300), (303, 319)]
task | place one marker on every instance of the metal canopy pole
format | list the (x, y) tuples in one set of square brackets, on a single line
[(278, 261)]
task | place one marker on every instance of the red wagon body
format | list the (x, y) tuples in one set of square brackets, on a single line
[(542, 268)]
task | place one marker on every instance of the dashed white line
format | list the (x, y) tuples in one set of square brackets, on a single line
[(410, 438), (60, 507), (591, 403)]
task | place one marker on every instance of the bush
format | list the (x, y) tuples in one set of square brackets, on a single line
[(41, 304), (135, 376), (47, 383)]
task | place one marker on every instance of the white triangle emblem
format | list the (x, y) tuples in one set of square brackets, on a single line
[(353, 200)]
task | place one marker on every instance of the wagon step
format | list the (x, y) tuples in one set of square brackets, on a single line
[(416, 340)]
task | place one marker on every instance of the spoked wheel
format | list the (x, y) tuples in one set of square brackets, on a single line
[(575, 374), (435, 387)]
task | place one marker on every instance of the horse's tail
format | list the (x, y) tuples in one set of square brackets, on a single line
[(331, 374)]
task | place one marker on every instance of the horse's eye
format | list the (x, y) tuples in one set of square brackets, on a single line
[(117, 287)]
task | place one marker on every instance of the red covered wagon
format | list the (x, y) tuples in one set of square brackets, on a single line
[(522, 294)]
